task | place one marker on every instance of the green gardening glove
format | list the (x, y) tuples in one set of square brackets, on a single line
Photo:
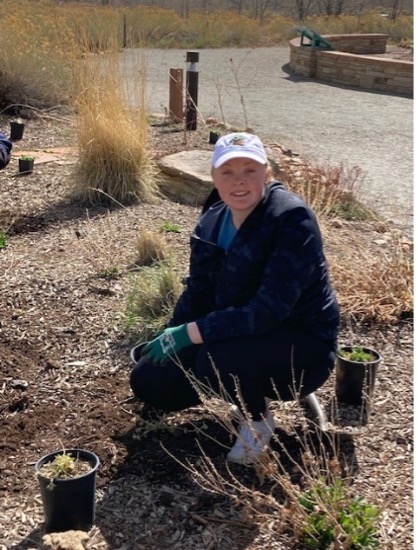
[(168, 343)]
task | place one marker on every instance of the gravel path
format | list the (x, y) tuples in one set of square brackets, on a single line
[(319, 121)]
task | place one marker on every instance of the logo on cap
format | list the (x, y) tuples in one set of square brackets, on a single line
[(238, 140)]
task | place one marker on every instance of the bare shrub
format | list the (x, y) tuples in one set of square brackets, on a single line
[(373, 286), (329, 190)]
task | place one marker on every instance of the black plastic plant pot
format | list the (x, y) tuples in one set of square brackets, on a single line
[(26, 166), (136, 352), (355, 380), (213, 137), (16, 130), (69, 503)]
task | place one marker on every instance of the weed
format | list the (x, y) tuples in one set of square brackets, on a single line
[(169, 227), (156, 424), (109, 273), (3, 240)]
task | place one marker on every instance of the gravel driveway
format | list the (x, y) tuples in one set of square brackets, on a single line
[(319, 121)]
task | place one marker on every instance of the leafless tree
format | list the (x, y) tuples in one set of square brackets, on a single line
[(238, 4), (185, 9), (260, 7), (206, 5), (331, 7), (302, 8), (396, 9)]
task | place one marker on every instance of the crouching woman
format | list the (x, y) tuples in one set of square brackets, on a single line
[(258, 309)]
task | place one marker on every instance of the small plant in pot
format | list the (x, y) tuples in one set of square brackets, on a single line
[(356, 372), (16, 129), (67, 479), (26, 164), (214, 135)]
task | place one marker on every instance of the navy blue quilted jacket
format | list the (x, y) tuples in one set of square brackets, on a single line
[(273, 274), (5, 150)]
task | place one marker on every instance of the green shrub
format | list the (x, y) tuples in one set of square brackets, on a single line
[(334, 516)]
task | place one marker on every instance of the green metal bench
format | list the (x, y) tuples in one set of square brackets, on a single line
[(316, 40)]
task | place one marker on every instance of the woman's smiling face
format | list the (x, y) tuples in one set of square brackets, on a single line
[(240, 183)]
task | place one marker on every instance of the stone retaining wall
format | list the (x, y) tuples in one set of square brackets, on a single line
[(348, 64)]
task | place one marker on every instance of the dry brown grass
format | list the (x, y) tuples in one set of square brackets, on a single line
[(372, 269), (114, 161), (150, 247), (36, 61), (373, 280)]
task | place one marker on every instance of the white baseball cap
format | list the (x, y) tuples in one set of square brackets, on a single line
[(238, 145)]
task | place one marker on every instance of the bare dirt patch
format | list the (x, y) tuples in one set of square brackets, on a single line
[(64, 364)]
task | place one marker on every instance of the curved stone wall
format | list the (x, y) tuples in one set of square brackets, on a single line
[(352, 63)]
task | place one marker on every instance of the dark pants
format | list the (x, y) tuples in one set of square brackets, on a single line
[(285, 365)]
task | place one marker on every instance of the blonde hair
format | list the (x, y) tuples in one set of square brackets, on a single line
[(269, 173)]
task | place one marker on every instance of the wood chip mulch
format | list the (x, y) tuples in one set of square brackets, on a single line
[(64, 365)]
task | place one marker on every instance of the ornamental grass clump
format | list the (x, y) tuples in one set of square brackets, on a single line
[(150, 248), (115, 165), (153, 293)]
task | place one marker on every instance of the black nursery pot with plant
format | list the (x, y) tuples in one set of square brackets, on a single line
[(68, 502), (356, 372), (26, 165), (214, 136), (16, 129)]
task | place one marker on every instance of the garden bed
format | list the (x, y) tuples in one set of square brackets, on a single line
[(65, 367)]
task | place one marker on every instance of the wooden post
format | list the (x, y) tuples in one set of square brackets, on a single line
[(176, 95), (192, 79)]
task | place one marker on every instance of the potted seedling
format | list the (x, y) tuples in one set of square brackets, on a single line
[(356, 372), (16, 129), (67, 479), (26, 164), (214, 135)]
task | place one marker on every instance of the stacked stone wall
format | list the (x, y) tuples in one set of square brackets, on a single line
[(352, 63)]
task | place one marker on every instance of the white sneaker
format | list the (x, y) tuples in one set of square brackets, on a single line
[(253, 438)]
